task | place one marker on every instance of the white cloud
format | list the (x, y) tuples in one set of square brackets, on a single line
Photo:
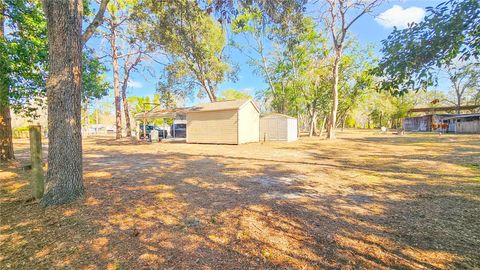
[(134, 84), (400, 17)]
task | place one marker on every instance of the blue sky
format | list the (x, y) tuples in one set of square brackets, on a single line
[(369, 30)]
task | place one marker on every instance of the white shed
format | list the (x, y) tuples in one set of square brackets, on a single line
[(223, 122), (278, 127)]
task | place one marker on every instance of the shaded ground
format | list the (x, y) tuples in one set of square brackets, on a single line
[(364, 201)]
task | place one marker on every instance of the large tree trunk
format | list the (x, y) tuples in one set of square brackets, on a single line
[(116, 82), (333, 114), (6, 142), (125, 107), (64, 84)]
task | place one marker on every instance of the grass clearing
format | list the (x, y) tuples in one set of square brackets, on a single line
[(367, 200)]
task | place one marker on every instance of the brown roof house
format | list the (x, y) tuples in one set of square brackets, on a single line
[(223, 122)]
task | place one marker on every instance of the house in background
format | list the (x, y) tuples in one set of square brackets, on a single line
[(278, 127)]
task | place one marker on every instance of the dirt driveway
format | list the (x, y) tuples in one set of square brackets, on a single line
[(364, 201)]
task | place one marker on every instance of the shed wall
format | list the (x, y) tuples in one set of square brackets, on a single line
[(292, 129), (468, 127), (273, 129), (248, 128), (421, 123), (213, 127), (278, 128)]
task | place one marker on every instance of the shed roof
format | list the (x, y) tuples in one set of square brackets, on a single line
[(442, 109), (206, 107), (161, 113), (277, 115), (463, 116), (222, 106)]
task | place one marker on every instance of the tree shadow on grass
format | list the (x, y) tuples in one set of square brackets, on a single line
[(185, 211)]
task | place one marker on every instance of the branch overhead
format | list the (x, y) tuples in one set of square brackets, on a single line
[(95, 23)]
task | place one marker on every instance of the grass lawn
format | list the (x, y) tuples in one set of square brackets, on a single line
[(366, 200)]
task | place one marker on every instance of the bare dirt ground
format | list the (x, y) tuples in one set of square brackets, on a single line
[(366, 200)]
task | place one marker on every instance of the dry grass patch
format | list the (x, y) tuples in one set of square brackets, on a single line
[(364, 201)]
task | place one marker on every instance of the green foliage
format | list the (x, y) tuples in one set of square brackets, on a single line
[(232, 94), (249, 21), (411, 55), (297, 65), (350, 122), (23, 55), (140, 104), (376, 109), (144, 104), (298, 79), (94, 84), (194, 41), (355, 80), (166, 98)]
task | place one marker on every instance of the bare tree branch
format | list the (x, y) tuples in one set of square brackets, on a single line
[(96, 22)]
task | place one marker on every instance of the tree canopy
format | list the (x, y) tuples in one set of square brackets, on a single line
[(194, 42), (412, 56), (23, 56)]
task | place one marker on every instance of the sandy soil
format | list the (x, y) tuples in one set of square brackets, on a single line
[(366, 200)]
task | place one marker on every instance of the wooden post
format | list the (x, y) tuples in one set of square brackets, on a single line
[(37, 182)]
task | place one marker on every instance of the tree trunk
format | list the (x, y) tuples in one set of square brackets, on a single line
[(64, 84), (6, 145), (127, 68), (6, 142), (125, 107), (323, 125), (459, 103), (210, 92), (343, 122), (313, 120), (116, 83), (333, 114)]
